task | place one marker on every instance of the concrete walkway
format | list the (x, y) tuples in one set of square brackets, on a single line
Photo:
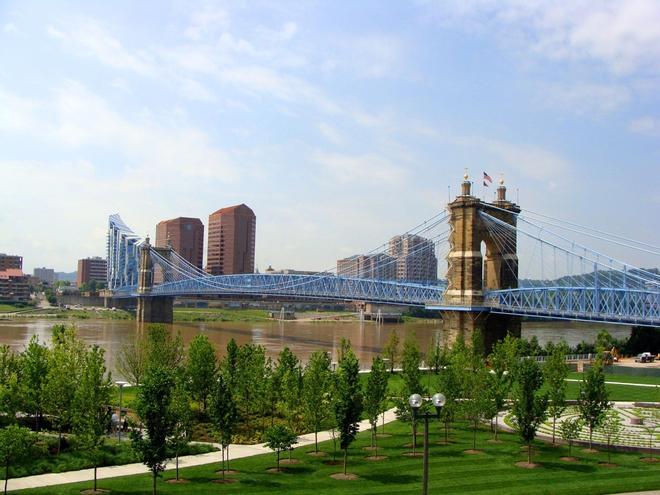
[(619, 383), (235, 452)]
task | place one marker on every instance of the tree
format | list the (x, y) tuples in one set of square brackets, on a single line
[(348, 398), (593, 401), (475, 381), (154, 409), (651, 418), (201, 369), (90, 405), (317, 382), (34, 364), (391, 349), (224, 416), (62, 380), (132, 360), (449, 384), (434, 357), (229, 363), (10, 383), (279, 438), (529, 406), (182, 418), (162, 349), (555, 371), (610, 427), (503, 359), (16, 444), (288, 380), (375, 395), (249, 381), (570, 429)]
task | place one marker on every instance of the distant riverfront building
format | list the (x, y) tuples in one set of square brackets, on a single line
[(46, 275), (415, 258), (375, 266), (185, 235), (231, 241), (89, 269), (10, 261)]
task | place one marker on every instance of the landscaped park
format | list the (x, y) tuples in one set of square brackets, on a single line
[(492, 434)]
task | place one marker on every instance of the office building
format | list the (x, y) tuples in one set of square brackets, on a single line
[(8, 261), (375, 266), (415, 258), (45, 275), (14, 285), (185, 235), (92, 269), (231, 241)]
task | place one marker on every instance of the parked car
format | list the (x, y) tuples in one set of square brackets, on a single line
[(645, 357)]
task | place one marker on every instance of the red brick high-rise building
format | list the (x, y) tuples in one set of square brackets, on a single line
[(89, 269), (232, 232), (186, 236)]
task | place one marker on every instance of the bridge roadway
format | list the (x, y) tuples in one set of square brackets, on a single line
[(624, 306)]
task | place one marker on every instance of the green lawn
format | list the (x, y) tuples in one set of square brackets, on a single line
[(219, 314), (451, 471), (612, 377)]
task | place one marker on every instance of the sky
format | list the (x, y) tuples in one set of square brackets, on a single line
[(340, 123)]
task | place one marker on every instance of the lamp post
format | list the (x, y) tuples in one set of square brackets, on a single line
[(415, 401), (121, 384)]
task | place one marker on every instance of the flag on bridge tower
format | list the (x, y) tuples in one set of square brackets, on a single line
[(487, 179)]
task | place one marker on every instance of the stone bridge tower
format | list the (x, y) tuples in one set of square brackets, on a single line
[(152, 309), (477, 262)]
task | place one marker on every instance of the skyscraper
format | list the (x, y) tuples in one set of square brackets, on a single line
[(415, 257), (92, 269), (230, 249), (186, 236), (378, 266)]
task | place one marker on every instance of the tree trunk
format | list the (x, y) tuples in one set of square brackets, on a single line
[(223, 461), (227, 457), (153, 491), (591, 431), (94, 476), (373, 436), (383, 422), (316, 441), (345, 458), (554, 422), (278, 460), (570, 444), (6, 476), (446, 432), (59, 440), (529, 452), (177, 465), (497, 424), (474, 436)]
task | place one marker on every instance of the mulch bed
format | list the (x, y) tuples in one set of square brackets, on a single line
[(608, 464), (175, 481), (590, 451), (317, 454), (568, 459), (347, 476), (227, 471), (473, 451), (332, 463), (375, 457), (527, 465), (413, 454), (650, 459), (289, 461), (225, 481), (369, 448)]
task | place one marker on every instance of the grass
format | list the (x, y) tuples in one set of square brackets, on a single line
[(451, 471), (10, 308), (612, 377), (219, 314)]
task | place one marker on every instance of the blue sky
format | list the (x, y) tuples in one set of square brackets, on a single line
[(340, 123)]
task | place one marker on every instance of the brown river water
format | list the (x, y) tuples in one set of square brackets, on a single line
[(302, 338)]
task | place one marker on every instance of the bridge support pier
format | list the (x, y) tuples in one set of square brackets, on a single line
[(155, 309)]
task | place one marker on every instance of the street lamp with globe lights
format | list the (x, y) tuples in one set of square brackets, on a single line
[(415, 400)]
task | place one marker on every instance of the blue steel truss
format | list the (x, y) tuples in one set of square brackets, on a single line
[(327, 287), (637, 307)]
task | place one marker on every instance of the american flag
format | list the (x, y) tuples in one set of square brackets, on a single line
[(487, 179)]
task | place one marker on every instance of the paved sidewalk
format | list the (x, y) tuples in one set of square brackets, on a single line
[(619, 383), (235, 452)]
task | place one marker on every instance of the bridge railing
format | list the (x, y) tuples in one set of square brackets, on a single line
[(568, 357), (602, 304)]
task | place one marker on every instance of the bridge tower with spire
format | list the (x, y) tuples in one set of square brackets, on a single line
[(478, 262), (152, 309)]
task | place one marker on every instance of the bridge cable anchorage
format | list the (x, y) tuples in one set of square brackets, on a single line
[(641, 275)]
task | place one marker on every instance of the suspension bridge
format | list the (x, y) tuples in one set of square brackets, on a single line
[(502, 262)]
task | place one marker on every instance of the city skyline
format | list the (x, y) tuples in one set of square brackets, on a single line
[(325, 119)]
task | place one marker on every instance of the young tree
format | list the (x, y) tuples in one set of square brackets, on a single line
[(250, 381), (62, 380), (163, 349), (529, 406), (132, 360), (34, 365), (182, 418), (224, 416), (288, 378), (229, 363), (477, 401), (570, 429), (15, 445), (201, 369), (555, 371), (154, 409), (391, 349), (651, 424), (411, 359), (610, 427), (317, 382), (503, 359), (90, 405), (279, 438), (434, 357), (348, 398), (593, 400), (450, 385), (11, 390), (375, 395)]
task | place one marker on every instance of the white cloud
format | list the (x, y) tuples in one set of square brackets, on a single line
[(623, 35), (648, 126), (10, 28), (18, 114), (364, 170), (586, 97), (330, 133)]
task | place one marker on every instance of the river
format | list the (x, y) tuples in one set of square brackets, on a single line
[(302, 338)]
